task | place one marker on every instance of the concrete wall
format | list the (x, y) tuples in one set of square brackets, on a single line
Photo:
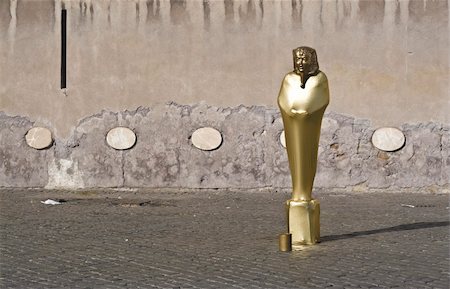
[(250, 156), (387, 64)]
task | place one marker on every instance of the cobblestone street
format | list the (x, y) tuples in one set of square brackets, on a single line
[(219, 239)]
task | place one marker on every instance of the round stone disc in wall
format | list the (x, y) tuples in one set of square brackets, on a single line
[(121, 138), (388, 139), (206, 138), (39, 138), (283, 139)]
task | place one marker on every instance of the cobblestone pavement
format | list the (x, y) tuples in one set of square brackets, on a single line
[(219, 239)]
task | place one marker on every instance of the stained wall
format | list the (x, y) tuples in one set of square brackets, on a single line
[(387, 61), (146, 63)]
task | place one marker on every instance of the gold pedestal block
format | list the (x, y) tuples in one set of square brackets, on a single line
[(303, 218)]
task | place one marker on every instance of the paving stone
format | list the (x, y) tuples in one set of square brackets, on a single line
[(218, 239)]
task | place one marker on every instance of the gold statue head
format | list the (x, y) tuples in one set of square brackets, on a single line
[(305, 63)]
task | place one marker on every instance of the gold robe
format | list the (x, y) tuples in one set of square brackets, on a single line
[(302, 111)]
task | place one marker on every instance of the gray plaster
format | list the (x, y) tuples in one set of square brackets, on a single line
[(100, 165), (20, 165), (251, 155)]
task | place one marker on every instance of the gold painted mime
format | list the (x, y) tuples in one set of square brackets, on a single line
[(303, 98)]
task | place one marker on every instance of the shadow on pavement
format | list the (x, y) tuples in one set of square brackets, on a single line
[(404, 227)]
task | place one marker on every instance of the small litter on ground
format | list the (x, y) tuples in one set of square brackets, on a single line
[(51, 202), (408, 206)]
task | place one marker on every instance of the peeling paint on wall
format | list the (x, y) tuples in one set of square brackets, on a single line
[(250, 155), (64, 173), (379, 56), (382, 58)]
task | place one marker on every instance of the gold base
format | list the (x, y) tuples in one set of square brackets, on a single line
[(303, 219)]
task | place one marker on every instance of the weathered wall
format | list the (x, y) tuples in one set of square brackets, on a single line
[(251, 155), (387, 63)]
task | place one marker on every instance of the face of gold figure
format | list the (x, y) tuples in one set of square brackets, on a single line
[(300, 60), (305, 63), (303, 99)]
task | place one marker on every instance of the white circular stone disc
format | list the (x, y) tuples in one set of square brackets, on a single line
[(39, 138), (206, 138), (283, 139), (388, 139), (121, 138)]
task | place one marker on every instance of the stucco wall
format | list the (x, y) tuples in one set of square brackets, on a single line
[(129, 61), (386, 61), (250, 156)]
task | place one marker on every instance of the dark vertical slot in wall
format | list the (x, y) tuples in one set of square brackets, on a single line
[(63, 47)]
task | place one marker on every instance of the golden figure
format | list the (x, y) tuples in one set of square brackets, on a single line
[(303, 98)]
